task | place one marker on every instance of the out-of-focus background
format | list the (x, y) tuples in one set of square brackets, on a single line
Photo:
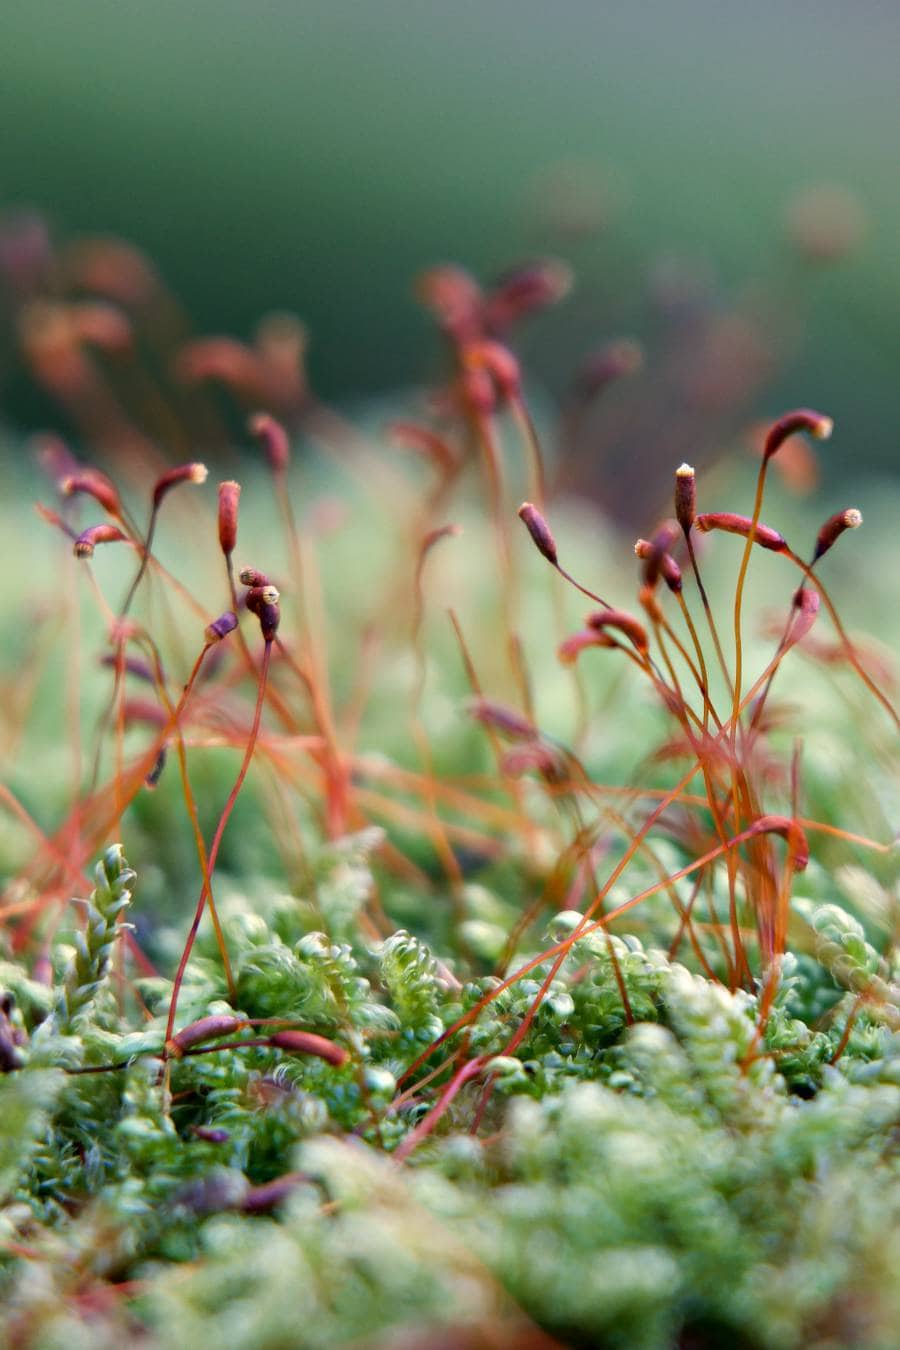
[(694, 157)]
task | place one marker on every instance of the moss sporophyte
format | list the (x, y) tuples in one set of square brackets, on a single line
[(485, 974)]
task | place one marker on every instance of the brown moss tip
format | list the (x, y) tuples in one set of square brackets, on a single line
[(309, 1043), (526, 290), (685, 496), (626, 623), (192, 472), (221, 627), (536, 758), (571, 647), (262, 600), (732, 523), (93, 483), (540, 532), (668, 567), (453, 296), (791, 831), (249, 576), (815, 424), (499, 364), (213, 1027), (502, 719), (257, 596), (274, 439), (834, 527), (805, 604), (229, 497), (143, 710), (96, 534), (434, 537), (654, 555)]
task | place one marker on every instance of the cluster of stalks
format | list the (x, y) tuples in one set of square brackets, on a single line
[(246, 685)]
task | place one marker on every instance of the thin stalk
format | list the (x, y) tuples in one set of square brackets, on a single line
[(707, 609), (217, 839)]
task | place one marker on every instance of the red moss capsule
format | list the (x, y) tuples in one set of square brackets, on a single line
[(223, 359), (685, 496), (220, 628), (101, 325), (499, 364), (142, 710), (274, 440), (796, 462), (262, 595), (210, 1134), (540, 532), (132, 665), (477, 390), (790, 830), (88, 540), (503, 719), (633, 629), (524, 291), (834, 527), (569, 650), (671, 573), (209, 1028), (653, 555), (249, 576), (229, 496), (435, 536), (454, 297), (734, 524), (308, 1043), (815, 424), (263, 602), (182, 473), (667, 567), (93, 483), (806, 606), (535, 758)]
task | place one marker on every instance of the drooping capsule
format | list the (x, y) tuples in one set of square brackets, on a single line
[(540, 532), (834, 527), (732, 523)]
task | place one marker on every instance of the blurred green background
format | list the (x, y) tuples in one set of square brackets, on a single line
[(313, 156)]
